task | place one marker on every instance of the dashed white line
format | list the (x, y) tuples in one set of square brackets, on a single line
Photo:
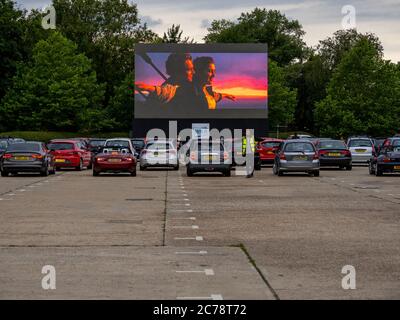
[(188, 218), (212, 297), (207, 272), (186, 227), (177, 210), (198, 238), (192, 252)]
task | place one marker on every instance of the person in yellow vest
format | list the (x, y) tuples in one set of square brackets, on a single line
[(248, 151)]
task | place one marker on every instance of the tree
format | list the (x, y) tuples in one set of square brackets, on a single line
[(283, 36), (281, 99), (363, 95), (174, 35), (105, 31), (56, 91), (10, 44), (121, 106)]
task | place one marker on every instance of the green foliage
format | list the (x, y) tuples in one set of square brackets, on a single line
[(283, 36), (46, 136), (56, 91), (174, 35), (121, 105), (281, 99), (363, 95)]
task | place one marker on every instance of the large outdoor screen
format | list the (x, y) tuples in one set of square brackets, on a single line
[(198, 81)]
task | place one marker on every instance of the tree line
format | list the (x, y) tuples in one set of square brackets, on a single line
[(77, 77)]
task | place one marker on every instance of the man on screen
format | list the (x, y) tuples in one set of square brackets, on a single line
[(204, 75)]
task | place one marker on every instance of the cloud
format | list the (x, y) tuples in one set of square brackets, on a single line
[(150, 21)]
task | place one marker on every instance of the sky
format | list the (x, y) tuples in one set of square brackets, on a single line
[(319, 18)]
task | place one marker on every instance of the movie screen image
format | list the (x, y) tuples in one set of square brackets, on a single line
[(201, 81)]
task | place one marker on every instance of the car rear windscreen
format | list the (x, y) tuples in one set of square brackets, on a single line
[(159, 146), (117, 143), (138, 143), (24, 147), (60, 146), (97, 143), (360, 143), (332, 144), (396, 143), (3, 145), (270, 144), (299, 147)]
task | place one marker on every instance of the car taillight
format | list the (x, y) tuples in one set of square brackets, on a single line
[(100, 159), (7, 156), (282, 156), (37, 156), (386, 159), (316, 156), (127, 159), (323, 152), (76, 153), (346, 153)]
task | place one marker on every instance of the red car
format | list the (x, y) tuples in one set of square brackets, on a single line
[(267, 148), (116, 156), (70, 153)]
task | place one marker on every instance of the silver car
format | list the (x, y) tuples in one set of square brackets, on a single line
[(361, 149), (296, 156), (159, 153)]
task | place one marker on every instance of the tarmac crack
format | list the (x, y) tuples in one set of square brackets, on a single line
[(254, 264)]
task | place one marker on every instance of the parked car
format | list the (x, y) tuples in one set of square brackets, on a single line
[(70, 154), (267, 148), (29, 156), (387, 160), (208, 156), (117, 155), (96, 144), (334, 153), (361, 149), (159, 153), (3, 146), (378, 143), (84, 141), (139, 144), (296, 155)]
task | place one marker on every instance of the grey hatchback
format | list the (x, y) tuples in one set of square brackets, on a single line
[(296, 156)]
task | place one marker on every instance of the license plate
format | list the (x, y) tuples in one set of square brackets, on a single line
[(334, 154), (22, 158), (114, 153), (60, 160), (300, 158), (114, 160), (361, 150), (396, 167), (155, 154)]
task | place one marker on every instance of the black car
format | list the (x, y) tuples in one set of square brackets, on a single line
[(31, 156), (138, 143), (387, 160), (208, 156), (334, 153), (96, 144)]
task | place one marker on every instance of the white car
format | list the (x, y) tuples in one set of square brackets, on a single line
[(159, 153), (361, 149)]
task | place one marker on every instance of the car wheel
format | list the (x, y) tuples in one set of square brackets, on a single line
[(275, 169), (189, 172), (227, 173), (371, 168), (90, 165), (133, 173), (378, 172), (142, 168), (316, 173), (4, 173), (80, 167), (176, 167), (45, 172), (257, 167), (280, 173), (96, 173), (349, 168)]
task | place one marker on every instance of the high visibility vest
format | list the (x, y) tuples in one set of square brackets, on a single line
[(244, 145)]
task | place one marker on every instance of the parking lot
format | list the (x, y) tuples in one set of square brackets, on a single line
[(163, 235)]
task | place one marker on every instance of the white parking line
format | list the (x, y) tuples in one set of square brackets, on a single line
[(185, 199), (177, 210), (192, 252), (189, 218), (213, 297), (207, 272), (186, 227), (198, 238)]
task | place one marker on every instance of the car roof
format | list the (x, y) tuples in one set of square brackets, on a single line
[(118, 139), (63, 140)]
